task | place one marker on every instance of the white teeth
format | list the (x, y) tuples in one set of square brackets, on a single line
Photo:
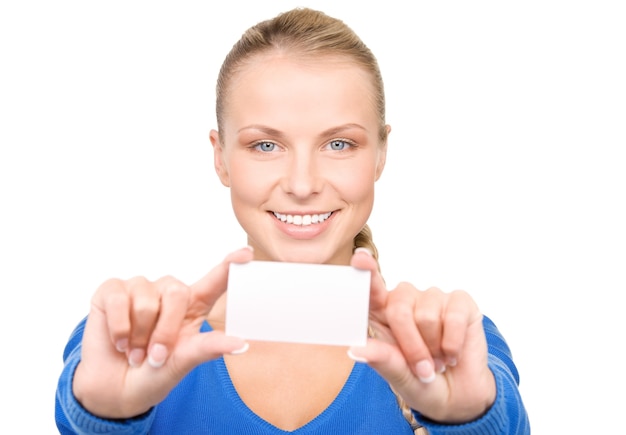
[(303, 220)]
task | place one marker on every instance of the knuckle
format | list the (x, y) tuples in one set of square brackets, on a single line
[(137, 282), (433, 290), (449, 347), (117, 304), (402, 294), (455, 319), (426, 317), (167, 280), (399, 309), (110, 286), (463, 297), (144, 294), (173, 287), (146, 306), (405, 287), (111, 283), (173, 290)]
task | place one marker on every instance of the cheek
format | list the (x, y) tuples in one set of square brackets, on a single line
[(362, 188), (250, 182), (356, 184)]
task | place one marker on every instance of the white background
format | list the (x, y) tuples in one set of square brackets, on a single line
[(505, 174)]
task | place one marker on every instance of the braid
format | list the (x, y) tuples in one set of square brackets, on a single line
[(365, 240)]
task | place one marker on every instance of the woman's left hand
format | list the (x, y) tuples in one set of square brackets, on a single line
[(430, 346)]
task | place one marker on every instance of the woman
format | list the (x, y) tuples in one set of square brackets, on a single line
[(301, 141)]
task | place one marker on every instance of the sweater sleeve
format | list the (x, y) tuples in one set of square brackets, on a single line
[(507, 415), (71, 418)]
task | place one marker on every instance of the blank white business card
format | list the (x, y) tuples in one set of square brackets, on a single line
[(298, 302)]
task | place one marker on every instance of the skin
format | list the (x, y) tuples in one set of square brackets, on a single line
[(299, 138)]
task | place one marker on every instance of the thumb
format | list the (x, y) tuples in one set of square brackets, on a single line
[(363, 259), (207, 346), (211, 286), (386, 359)]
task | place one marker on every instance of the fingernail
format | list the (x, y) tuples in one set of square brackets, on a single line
[(135, 357), (157, 355), (452, 362), (356, 358), (362, 249), (425, 371), (440, 367), (121, 345), (249, 248), (241, 350)]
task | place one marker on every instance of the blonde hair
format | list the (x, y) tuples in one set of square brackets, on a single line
[(301, 32), (365, 240), (307, 33)]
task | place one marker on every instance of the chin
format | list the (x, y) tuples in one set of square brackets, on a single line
[(293, 256), (310, 255)]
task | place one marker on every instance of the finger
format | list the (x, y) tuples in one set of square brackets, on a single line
[(206, 290), (174, 303), (144, 311), (401, 319), (461, 312), (363, 259), (112, 300), (429, 311)]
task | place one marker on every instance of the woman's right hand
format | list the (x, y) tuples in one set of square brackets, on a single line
[(141, 338)]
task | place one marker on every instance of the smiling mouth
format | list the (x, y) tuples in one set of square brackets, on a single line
[(302, 219)]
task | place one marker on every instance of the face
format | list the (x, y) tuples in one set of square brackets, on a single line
[(301, 154)]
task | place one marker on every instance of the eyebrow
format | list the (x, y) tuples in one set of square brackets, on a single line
[(277, 133)]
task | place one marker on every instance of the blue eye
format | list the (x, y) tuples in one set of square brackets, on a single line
[(338, 145), (265, 147)]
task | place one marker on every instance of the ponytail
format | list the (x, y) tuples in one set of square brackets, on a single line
[(365, 240)]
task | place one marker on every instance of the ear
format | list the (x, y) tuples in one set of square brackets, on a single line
[(382, 154), (218, 158)]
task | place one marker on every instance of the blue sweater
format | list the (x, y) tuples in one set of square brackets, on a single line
[(206, 402)]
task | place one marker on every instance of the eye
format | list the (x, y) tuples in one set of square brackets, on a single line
[(339, 144), (265, 147)]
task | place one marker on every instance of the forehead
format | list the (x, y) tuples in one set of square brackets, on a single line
[(280, 86)]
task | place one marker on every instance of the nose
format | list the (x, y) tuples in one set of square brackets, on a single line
[(302, 178)]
